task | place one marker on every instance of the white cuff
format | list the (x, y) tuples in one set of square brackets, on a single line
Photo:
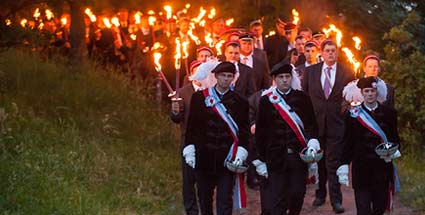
[(241, 153), (189, 149), (342, 170), (314, 143)]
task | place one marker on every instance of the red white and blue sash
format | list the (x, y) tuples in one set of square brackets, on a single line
[(291, 118), (212, 101), (364, 118)]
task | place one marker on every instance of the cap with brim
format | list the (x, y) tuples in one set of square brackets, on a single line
[(194, 64), (231, 43), (289, 26), (255, 22), (281, 68), (368, 82), (246, 37), (224, 67), (205, 48), (312, 43), (318, 34), (371, 56)]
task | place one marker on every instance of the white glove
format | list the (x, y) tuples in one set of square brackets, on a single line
[(261, 168), (342, 173), (241, 155), (189, 155), (389, 158), (313, 146)]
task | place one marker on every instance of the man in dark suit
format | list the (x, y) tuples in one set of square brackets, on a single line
[(311, 50), (324, 83), (256, 28), (260, 69), (276, 46), (372, 67), (244, 78)]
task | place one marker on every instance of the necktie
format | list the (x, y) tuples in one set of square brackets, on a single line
[(327, 85), (258, 44), (245, 60)]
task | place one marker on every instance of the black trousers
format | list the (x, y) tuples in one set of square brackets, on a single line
[(189, 193), (283, 192), (206, 185), (372, 200), (327, 170)]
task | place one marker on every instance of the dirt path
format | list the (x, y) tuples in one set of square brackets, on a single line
[(253, 204)]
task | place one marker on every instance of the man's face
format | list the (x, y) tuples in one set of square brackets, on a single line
[(246, 47), (203, 56), (224, 79), (280, 29), (232, 54), (299, 45), (371, 68), (257, 30), (306, 34), (311, 53), (370, 95), (291, 35), (283, 81), (184, 27), (218, 26), (329, 54)]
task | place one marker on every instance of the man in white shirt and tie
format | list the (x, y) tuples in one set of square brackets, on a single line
[(256, 28), (324, 83)]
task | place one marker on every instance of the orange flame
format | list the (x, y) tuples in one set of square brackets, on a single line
[(64, 20), (151, 20), (187, 6), (156, 46), (137, 17), (157, 56), (107, 22), (218, 47), (193, 37), (209, 40), (230, 21), (24, 22), (212, 13), (36, 13), (351, 58), (49, 14), (185, 46), (358, 41), (271, 33), (90, 14), (7, 22), (296, 17), (151, 12), (115, 21), (333, 28), (178, 54), (41, 26), (169, 11), (201, 14), (133, 36)]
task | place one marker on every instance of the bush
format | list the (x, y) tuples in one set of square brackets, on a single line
[(81, 142)]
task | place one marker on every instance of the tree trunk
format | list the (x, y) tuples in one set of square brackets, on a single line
[(78, 50)]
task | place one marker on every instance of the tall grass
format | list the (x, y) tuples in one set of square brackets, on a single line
[(81, 142)]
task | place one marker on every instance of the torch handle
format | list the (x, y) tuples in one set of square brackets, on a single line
[(186, 66), (177, 82), (164, 79)]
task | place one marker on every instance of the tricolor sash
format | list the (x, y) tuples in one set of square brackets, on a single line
[(213, 101), (291, 118), (366, 120)]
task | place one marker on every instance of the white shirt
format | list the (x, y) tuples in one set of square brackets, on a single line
[(259, 43), (249, 60), (372, 108), (323, 75), (307, 64), (196, 87)]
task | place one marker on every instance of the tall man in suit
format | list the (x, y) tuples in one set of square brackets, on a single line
[(324, 83), (276, 46), (243, 82), (256, 28)]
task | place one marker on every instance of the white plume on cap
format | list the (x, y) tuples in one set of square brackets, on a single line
[(353, 94), (204, 75)]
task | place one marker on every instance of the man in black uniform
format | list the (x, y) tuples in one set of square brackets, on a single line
[(276, 46), (372, 173), (285, 126), (218, 120)]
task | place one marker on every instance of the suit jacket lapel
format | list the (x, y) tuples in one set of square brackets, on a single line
[(317, 74), (338, 79)]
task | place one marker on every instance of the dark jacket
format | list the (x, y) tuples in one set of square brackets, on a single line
[(276, 48), (186, 94), (210, 134), (359, 148), (245, 85), (261, 73), (273, 135)]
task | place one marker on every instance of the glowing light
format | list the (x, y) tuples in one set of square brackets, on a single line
[(185, 46), (178, 55), (201, 14), (151, 12), (36, 14), (333, 28), (271, 33), (212, 13), (24, 22), (193, 37), (351, 58), (115, 21), (151, 20), (90, 15), (358, 41), (230, 21), (209, 40), (296, 17), (107, 22), (157, 56), (187, 6), (49, 14), (169, 11), (64, 20), (218, 47), (133, 36), (7, 22)]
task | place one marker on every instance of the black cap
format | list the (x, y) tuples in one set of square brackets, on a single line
[(281, 68), (225, 67), (289, 26), (368, 82), (246, 37)]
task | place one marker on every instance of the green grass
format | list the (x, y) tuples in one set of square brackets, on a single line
[(411, 168), (82, 142)]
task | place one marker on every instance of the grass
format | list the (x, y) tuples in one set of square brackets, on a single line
[(82, 142)]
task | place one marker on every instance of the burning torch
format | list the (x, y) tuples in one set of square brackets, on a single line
[(158, 67)]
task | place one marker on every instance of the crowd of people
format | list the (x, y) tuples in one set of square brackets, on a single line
[(280, 113)]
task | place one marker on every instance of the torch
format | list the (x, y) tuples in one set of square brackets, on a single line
[(158, 67), (177, 64), (185, 56)]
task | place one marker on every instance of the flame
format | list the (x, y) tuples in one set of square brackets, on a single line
[(8, 22), (333, 28), (107, 22), (49, 14), (187, 6), (212, 13), (169, 10), (202, 23), (271, 33), (133, 36), (157, 56), (351, 58), (185, 46), (296, 17), (151, 20), (137, 17), (184, 11), (218, 47), (178, 54), (193, 37), (202, 13), (36, 13), (151, 12), (209, 40), (156, 46), (358, 41), (41, 26), (230, 21), (24, 22), (90, 15), (64, 20), (115, 21)]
